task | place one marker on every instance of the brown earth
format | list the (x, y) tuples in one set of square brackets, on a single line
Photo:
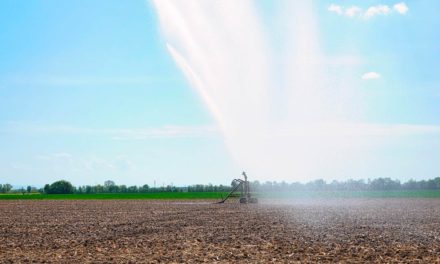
[(361, 231)]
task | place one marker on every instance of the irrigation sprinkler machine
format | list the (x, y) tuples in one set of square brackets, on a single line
[(241, 189)]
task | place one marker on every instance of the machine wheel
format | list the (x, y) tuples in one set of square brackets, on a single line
[(243, 200), (253, 200)]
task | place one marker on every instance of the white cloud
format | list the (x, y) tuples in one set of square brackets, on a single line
[(370, 76), (336, 9), (401, 8), (353, 11), (377, 10), (372, 11)]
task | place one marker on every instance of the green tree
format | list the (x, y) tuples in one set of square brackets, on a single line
[(113, 189), (89, 189), (109, 186), (46, 188), (132, 189), (145, 188), (7, 187), (123, 188), (60, 187)]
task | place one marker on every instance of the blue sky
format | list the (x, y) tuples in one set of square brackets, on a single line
[(89, 92)]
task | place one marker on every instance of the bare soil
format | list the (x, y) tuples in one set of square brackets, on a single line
[(139, 231)]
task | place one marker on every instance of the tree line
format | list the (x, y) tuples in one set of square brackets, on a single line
[(379, 184), (65, 187), (111, 187)]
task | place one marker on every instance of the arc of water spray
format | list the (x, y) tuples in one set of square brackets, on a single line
[(222, 49), (197, 83)]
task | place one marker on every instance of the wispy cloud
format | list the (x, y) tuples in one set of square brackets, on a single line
[(164, 132), (353, 11), (336, 9), (64, 160), (72, 81), (169, 131), (370, 76), (361, 129), (55, 156), (207, 131), (372, 11), (369, 12)]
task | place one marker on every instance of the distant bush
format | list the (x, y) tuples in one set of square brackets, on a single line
[(59, 187)]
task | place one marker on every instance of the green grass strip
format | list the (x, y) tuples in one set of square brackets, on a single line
[(218, 195), (117, 196), (353, 194)]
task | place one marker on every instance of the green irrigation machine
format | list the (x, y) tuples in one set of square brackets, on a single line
[(241, 190)]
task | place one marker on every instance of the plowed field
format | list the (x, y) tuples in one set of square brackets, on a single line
[(130, 231)]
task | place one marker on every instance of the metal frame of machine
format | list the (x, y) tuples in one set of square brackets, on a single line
[(243, 187)]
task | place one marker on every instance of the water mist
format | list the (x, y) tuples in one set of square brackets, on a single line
[(282, 117)]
